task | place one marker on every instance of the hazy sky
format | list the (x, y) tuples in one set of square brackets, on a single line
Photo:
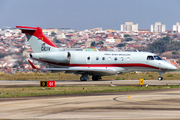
[(87, 14)]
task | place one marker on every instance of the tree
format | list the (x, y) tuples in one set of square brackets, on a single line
[(128, 39), (22, 50), (175, 36), (53, 33), (56, 40), (100, 43), (121, 45), (175, 52), (158, 46), (127, 35), (175, 46), (93, 43), (2, 55), (167, 38)]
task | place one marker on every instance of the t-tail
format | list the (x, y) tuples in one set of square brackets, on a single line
[(38, 41)]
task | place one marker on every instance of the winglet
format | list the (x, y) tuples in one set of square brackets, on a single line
[(33, 66)]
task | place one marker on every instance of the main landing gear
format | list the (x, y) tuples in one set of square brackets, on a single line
[(82, 78), (160, 77), (96, 77), (85, 77)]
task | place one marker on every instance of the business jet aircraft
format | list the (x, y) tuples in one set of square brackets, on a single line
[(91, 63)]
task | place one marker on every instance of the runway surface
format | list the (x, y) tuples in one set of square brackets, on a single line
[(154, 104), (162, 104)]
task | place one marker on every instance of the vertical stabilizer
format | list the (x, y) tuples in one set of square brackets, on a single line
[(38, 41)]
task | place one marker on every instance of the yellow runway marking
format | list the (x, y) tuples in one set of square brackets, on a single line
[(129, 97)]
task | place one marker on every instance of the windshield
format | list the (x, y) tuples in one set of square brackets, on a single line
[(157, 58)]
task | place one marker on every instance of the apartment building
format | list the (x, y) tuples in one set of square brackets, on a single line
[(158, 27), (176, 28), (129, 27)]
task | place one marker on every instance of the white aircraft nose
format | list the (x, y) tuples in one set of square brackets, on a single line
[(172, 67)]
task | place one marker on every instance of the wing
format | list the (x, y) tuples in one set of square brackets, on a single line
[(78, 70)]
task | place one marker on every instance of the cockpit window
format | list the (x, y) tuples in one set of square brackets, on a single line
[(157, 58), (150, 58)]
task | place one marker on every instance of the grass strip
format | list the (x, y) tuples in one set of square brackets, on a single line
[(38, 91), (63, 76)]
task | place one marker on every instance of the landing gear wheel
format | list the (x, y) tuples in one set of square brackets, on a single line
[(160, 78), (82, 78), (96, 78)]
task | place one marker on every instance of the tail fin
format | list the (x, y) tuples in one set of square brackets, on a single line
[(38, 41)]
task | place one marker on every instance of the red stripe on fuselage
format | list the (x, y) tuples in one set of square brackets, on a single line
[(103, 65)]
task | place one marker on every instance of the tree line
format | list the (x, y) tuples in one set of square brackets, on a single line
[(163, 45)]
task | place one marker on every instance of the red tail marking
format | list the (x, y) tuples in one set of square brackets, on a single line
[(36, 31), (34, 67)]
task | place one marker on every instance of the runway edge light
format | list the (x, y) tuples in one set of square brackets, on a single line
[(141, 82)]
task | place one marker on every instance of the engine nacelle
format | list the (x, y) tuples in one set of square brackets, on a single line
[(58, 57)]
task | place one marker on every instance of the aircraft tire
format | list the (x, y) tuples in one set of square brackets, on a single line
[(82, 78), (95, 78), (160, 78)]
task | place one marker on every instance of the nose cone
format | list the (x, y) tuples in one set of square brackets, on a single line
[(171, 67), (167, 66)]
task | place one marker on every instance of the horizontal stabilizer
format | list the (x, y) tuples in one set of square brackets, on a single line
[(32, 65)]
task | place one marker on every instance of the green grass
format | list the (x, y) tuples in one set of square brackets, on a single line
[(170, 75), (62, 76), (37, 91)]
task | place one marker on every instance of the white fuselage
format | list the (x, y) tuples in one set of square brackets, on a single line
[(120, 62), (92, 63)]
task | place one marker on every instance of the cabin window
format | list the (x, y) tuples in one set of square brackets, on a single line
[(128, 58), (150, 58), (122, 58), (88, 58), (103, 58), (97, 58), (115, 58), (157, 57)]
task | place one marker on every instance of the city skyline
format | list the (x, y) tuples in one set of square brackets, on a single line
[(81, 15)]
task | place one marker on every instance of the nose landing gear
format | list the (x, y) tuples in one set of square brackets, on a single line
[(160, 77)]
